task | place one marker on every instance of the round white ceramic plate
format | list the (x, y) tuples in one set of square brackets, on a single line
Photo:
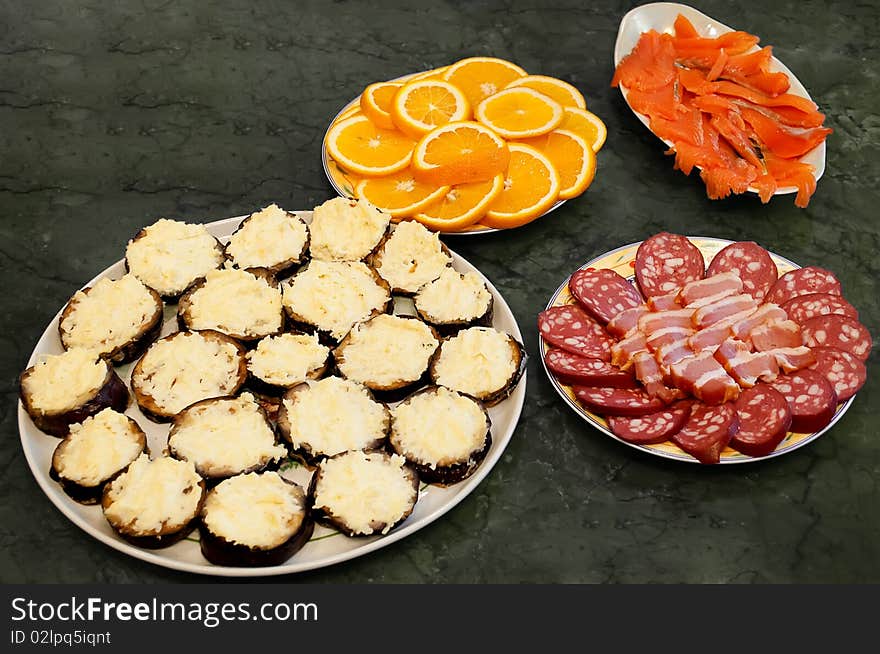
[(327, 546), (622, 261), (660, 16)]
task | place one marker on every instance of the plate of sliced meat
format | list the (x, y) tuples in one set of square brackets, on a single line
[(702, 349)]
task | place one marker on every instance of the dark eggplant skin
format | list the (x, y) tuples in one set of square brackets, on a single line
[(113, 394), (281, 268), (375, 260)]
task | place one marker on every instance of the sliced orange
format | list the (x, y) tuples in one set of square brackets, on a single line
[(357, 145), (519, 113), (420, 106), (352, 110), (480, 77), (459, 153), (435, 73), (461, 206), (375, 102), (399, 194), (563, 92), (531, 186), (585, 124), (572, 157)]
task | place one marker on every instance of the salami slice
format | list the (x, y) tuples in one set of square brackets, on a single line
[(802, 308), (617, 401), (846, 373), (576, 370), (810, 397), (665, 262), (652, 428), (707, 431), (803, 281), (751, 263), (764, 420), (840, 332), (603, 293), (570, 328)]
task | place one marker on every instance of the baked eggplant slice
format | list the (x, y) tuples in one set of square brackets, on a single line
[(154, 503), (283, 361), (254, 520), (271, 238), (225, 436), (94, 452), (443, 434), (454, 301), (117, 318), (482, 362), (186, 367), (344, 229), (169, 255), (63, 389), (333, 415), (329, 297), (363, 493), (243, 304), (410, 257)]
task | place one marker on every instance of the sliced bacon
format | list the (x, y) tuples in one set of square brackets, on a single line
[(714, 288), (672, 353), (746, 367), (773, 335), (712, 313), (624, 322), (663, 337), (791, 359), (623, 351), (710, 338), (705, 379), (654, 321), (648, 372), (668, 302), (764, 314)]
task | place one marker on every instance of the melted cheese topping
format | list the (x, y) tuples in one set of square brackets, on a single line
[(439, 428), (172, 255), (412, 257), (334, 295), (387, 350), (257, 510), (287, 359), (334, 415), (110, 315), (236, 302), (98, 448), (187, 368), (346, 230), (152, 495), (454, 296), (365, 488), (225, 436), (268, 238), (477, 361), (65, 381)]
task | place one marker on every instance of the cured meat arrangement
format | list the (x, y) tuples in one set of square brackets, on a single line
[(707, 354)]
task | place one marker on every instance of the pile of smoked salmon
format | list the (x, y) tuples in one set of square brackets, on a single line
[(724, 111), (707, 357)]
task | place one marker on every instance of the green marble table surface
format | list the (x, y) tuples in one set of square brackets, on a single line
[(116, 114)]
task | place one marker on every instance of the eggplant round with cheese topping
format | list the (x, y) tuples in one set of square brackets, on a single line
[(243, 304), (169, 255), (186, 367), (283, 361), (225, 436), (63, 389), (254, 520), (411, 257), (344, 229), (482, 362), (363, 493), (117, 318), (271, 238), (154, 503), (455, 300), (324, 418)]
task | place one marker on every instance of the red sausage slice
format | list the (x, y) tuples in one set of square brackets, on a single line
[(846, 373), (840, 332), (603, 293), (617, 401), (764, 420), (666, 262), (751, 263), (570, 328), (803, 281), (576, 370), (707, 431), (810, 397), (652, 428), (802, 308)]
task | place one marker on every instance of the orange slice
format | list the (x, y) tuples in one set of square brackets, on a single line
[(585, 124), (459, 153), (420, 106), (480, 77), (461, 206), (435, 73), (572, 157), (352, 110), (359, 146), (531, 186), (563, 92), (375, 102), (399, 194), (519, 113)]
